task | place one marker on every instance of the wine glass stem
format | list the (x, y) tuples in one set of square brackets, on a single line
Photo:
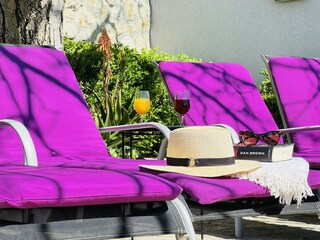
[(141, 118), (181, 120)]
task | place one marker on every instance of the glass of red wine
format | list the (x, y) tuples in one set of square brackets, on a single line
[(182, 103)]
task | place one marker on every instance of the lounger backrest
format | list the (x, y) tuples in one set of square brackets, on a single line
[(220, 93), (38, 88), (297, 82)]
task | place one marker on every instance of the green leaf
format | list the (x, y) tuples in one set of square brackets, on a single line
[(118, 108), (125, 117)]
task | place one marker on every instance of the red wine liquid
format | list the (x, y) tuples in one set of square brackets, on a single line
[(182, 106)]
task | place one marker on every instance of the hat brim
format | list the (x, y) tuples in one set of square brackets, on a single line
[(211, 171)]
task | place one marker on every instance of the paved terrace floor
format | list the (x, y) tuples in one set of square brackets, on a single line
[(303, 227)]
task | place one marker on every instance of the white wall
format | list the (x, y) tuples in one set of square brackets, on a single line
[(236, 30)]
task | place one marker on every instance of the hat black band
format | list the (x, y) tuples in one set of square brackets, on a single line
[(200, 162)]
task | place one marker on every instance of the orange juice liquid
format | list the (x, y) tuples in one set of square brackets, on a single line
[(142, 105)]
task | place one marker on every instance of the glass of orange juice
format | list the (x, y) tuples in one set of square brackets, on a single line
[(142, 103)]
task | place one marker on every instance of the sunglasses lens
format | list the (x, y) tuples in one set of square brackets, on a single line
[(271, 138), (251, 141), (249, 138)]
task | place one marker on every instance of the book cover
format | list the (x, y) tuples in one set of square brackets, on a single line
[(264, 153)]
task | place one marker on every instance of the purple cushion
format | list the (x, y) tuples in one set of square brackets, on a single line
[(39, 89), (211, 190), (111, 163), (219, 93), (297, 82), (31, 187)]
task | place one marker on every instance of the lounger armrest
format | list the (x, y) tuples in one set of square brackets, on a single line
[(156, 63), (300, 129), (30, 156), (162, 128)]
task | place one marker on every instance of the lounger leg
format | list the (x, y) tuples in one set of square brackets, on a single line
[(238, 227), (180, 237), (80, 213), (185, 216), (201, 225), (317, 193)]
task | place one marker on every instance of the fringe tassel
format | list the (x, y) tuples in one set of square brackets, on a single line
[(286, 180)]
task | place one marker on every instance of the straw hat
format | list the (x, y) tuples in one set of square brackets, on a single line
[(204, 151)]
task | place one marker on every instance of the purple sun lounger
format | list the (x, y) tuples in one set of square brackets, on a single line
[(58, 180), (225, 93), (296, 83)]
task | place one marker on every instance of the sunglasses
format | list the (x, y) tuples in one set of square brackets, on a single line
[(249, 138)]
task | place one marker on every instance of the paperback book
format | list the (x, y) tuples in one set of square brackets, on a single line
[(265, 153)]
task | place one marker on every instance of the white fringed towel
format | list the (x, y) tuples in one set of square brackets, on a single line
[(287, 180)]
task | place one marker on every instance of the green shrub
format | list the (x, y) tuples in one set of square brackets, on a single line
[(133, 70), (269, 97)]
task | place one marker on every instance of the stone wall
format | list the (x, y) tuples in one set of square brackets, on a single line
[(127, 21)]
